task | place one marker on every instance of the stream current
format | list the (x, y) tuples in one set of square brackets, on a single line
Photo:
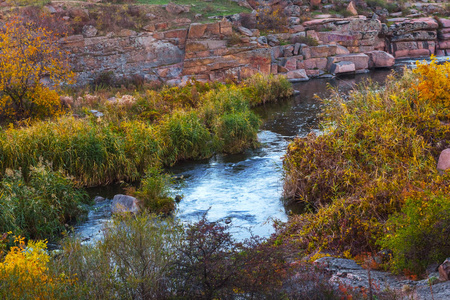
[(246, 188)]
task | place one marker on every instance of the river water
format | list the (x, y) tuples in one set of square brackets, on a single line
[(245, 189)]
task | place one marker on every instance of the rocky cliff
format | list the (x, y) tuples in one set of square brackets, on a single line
[(219, 50)]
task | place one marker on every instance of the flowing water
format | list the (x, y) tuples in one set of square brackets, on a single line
[(245, 189)]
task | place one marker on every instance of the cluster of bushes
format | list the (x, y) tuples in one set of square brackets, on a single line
[(133, 139), (40, 206), (144, 257), (370, 180), (175, 124)]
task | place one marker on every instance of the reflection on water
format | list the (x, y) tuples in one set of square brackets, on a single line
[(245, 188)]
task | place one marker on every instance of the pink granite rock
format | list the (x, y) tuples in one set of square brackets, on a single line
[(360, 60), (352, 9), (342, 67), (444, 160), (297, 75), (445, 22), (380, 59)]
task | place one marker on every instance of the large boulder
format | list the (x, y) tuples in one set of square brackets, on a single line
[(124, 204), (380, 59)]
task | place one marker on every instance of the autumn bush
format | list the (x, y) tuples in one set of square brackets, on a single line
[(377, 145), (132, 260), (25, 274), (146, 257), (269, 19), (29, 54)]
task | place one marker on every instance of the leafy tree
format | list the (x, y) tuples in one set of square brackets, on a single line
[(30, 54)]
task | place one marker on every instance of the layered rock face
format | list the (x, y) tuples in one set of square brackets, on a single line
[(213, 52), (413, 38)]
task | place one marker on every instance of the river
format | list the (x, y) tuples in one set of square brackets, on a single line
[(245, 189)]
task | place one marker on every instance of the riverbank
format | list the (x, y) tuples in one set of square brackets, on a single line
[(370, 181), (128, 137)]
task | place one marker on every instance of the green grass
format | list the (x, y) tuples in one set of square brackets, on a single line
[(207, 9)]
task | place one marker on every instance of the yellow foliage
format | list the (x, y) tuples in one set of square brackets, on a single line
[(29, 55), (24, 272), (434, 81)]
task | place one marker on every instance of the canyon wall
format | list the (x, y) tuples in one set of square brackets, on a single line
[(217, 51)]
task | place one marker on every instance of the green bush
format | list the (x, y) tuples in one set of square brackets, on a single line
[(132, 261), (419, 234), (41, 207), (237, 131), (266, 88), (154, 192), (186, 137)]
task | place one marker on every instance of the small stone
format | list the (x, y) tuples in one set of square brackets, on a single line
[(444, 160), (178, 198), (98, 199), (444, 268), (245, 31), (352, 9), (50, 9), (96, 113), (89, 31), (150, 16), (262, 40), (176, 9), (149, 27)]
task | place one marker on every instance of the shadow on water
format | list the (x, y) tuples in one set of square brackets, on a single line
[(246, 188)]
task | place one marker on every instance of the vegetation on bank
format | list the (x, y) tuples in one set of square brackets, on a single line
[(145, 257), (135, 135), (370, 180)]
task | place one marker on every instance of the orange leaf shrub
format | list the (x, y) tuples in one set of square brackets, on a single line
[(24, 273), (433, 81), (29, 55)]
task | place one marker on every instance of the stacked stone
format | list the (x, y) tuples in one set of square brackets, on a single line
[(413, 38), (356, 34), (444, 37), (208, 55)]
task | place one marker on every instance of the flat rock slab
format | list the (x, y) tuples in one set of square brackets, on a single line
[(360, 60), (342, 67), (380, 59), (348, 272)]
